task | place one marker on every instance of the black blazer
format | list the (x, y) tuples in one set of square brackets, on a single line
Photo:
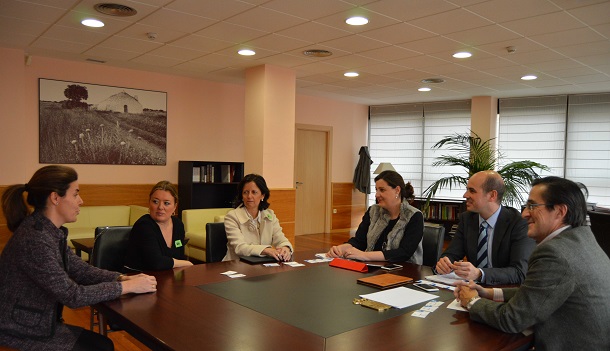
[(510, 251)]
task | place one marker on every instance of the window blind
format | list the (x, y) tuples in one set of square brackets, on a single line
[(588, 144), (403, 135)]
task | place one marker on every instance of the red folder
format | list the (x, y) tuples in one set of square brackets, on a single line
[(351, 265)]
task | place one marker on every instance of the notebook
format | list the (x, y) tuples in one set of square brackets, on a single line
[(385, 281), (257, 260)]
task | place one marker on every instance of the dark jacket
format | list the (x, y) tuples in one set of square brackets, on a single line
[(362, 173), (34, 280), (147, 250), (511, 246)]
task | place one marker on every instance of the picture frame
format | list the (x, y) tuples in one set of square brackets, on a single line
[(85, 123)]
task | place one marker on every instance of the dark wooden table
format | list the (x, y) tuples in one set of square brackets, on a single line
[(181, 316), (81, 245)]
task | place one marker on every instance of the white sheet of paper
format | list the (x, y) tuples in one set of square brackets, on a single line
[(454, 305), (448, 279), (400, 297)]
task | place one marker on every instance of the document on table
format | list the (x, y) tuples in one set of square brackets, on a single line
[(448, 279), (400, 297)]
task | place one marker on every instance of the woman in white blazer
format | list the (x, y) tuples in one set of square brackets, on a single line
[(252, 229)]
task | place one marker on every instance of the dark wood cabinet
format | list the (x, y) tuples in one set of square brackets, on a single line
[(208, 184)]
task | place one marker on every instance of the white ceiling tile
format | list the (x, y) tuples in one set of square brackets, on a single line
[(310, 9), (230, 32), (31, 12), (554, 22), (178, 21), (593, 14), (586, 49), (213, 9), (483, 35), (398, 33), (138, 31), (376, 20), (129, 44), (534, 56), (355, 43), (500, 11), (381, 68), (276, 42), (432, 45), (265, 20), (314, 32), (389, 53), (420, 62), (451, 21), (569, 37), (70, 34), (60, 45), (99, 52), (351, 61), (154, 60), (200, 43), (409, 10), (286, 60), (178, 53), (21, 26)]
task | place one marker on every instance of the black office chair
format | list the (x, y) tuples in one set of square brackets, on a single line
[(600, 226), (434, 237), (215, 242), (108, 253)]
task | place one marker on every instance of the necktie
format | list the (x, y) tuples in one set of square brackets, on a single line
[(482, 247)]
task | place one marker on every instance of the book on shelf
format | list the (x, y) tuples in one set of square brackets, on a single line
[(225, 173), (196, 174)]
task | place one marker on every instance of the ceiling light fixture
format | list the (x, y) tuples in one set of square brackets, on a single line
[(351, 74), (424, 89), (111, 9), (246, 52), (433, 80), (317, 53), (462, 54), (529, 77), (90, 22), (357, 21)]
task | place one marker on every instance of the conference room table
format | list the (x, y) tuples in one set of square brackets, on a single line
[(290, 308)]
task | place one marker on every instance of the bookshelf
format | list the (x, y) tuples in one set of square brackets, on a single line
[(208, 184), (444, 212)]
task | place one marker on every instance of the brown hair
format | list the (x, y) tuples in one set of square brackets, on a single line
[(260, 183), (166, 186), (45, 181), (394, 179)]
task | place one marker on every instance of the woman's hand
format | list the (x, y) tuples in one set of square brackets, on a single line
[(139, 284), (182, 263), (271, 252), (339, 250), (284, 253), (354, 254)]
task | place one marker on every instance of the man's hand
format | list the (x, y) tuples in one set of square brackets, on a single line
[(444, 266), (466, 270)]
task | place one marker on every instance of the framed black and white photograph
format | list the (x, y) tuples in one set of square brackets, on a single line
[(98, 124)]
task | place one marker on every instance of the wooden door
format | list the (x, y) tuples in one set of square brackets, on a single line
[(311, 176)]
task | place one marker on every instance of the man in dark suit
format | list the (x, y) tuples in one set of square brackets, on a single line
[(565, 294), (492, 237)]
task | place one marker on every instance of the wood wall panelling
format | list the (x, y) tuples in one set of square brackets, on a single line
[(349, 205)]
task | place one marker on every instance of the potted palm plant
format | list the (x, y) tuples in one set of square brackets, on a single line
[(474, 155)]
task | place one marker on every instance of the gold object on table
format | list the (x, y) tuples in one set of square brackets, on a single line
[(371, 304)]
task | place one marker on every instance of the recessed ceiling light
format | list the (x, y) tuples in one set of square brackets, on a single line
[(351, 74), (90, 22), (462, 54), (424, 89), (246, 52), (357, 21), (529, 77)]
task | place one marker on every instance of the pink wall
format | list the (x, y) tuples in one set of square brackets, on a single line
[(202, 120), (350, 130)]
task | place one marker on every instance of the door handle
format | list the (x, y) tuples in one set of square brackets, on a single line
[(299, 183)]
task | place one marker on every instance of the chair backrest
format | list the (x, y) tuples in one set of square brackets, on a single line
[(215, 242), (432, 243), (110, 247), (600, 226)]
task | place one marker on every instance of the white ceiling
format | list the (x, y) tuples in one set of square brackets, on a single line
[(566, 43)]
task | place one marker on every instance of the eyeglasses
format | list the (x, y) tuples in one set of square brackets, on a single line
[(530, 206)]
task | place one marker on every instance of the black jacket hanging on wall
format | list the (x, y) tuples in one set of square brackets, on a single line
[(362, 174)]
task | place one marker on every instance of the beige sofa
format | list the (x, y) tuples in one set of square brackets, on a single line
[(194, 226), (91, 217)]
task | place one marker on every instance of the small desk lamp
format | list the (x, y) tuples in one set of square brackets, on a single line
[(384, 166)]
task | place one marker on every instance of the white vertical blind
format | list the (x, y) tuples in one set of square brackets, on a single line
[(403, 134), (395, 136), (442, 119), (588, 144), (533, 128)]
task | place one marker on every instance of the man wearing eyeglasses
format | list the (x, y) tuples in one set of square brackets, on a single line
[(492, 237), (565, 293)]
